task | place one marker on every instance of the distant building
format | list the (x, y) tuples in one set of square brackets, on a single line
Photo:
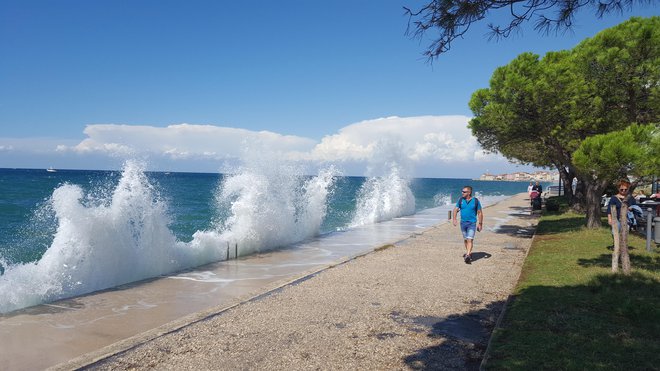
[(522, 176)]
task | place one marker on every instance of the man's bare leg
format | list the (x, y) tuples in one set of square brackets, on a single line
[(468, 249)]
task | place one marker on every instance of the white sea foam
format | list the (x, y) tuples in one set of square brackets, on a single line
[(106, 239), (442, 199), (99, 243), (383, 198), (270, 205)]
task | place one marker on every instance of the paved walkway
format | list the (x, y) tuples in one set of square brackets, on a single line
[(415, 305)]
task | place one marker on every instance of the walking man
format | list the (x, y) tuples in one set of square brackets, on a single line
[(472, 219)]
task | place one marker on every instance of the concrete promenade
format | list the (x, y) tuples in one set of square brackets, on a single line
[(412, 305)]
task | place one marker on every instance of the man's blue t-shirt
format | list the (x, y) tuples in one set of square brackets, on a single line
[(469, 209)]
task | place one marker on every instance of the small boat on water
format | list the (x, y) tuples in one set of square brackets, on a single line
[(51, 170)]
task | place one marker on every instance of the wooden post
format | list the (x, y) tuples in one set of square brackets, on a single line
[(617, 240)]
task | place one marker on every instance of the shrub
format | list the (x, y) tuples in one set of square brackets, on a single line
[(555, 203)]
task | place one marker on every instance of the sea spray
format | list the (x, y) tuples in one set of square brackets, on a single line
[(442, 199), (383, 198), (99, 242), (386, 193), (28, 243), (270, 205), (104, 239)]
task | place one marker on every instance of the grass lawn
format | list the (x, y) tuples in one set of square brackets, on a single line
[(570, 312)]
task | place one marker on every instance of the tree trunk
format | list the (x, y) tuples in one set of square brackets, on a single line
[(623, 238), (594, 192), (620, 234)]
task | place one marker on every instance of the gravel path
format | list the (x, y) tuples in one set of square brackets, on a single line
[(415, 305)]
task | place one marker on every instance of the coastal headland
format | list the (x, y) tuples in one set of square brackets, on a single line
[(414, 304)]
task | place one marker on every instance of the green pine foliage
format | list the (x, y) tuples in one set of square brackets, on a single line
[(540, 110), (632, 151)]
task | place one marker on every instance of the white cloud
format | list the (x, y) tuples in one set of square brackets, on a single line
[(423, 138), (33, 145), (425, 145), (183, 141)]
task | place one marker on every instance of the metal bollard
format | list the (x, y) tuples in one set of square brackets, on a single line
[(449, 215), (649, 228), (656, 235)]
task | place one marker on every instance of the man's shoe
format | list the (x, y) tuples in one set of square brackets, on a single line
[(468, 258)]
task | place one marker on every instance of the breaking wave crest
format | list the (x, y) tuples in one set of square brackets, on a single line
[(105, 239), (383, 198)]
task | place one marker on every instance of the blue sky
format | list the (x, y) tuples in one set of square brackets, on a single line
[(79, 77)]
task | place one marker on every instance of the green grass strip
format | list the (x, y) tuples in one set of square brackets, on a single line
[(570, 312)]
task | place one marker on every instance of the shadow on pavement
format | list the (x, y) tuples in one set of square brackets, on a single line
[(516, 231), (476, 255), (464, 338)]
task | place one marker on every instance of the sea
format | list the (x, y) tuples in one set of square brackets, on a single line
[(71, 232)]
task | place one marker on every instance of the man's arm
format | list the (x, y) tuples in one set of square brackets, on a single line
[(480, 220), (453, 219)]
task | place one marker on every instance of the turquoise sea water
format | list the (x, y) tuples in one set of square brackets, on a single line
[(72, 232)]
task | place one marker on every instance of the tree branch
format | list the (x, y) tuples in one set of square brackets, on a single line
[(453, 18)]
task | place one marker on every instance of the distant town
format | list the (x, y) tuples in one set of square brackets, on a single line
[(522, 176)]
